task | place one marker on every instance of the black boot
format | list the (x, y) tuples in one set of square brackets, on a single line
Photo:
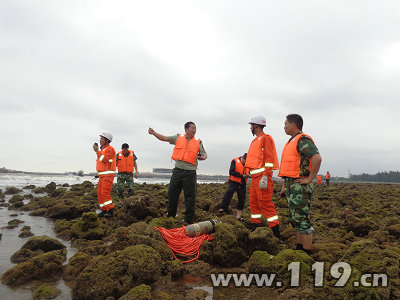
[(255, 226), (109, 213), (101, 214), (276, 232), (308, 251), (299, 247)]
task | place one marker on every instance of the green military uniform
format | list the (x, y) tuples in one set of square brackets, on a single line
[(125, 180), (299, 195), (183, 176)]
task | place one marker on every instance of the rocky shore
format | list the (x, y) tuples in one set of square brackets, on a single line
[(125, 257)]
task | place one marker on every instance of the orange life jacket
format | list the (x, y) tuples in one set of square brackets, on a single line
[(106, 162), (319, 178), (238, 168), (186, 150), (328, 176), (290, 161), (255, 156), (126, 164)]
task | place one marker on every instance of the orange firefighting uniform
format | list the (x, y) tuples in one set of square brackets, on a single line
[(261, 161), (105, 165)]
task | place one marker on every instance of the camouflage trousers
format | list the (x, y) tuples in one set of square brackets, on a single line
[(124, 180), (299, 201)]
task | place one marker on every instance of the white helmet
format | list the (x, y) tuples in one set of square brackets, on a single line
[(107, 135), (258, 119)]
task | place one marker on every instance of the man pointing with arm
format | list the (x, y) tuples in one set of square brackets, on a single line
[(187, 151)]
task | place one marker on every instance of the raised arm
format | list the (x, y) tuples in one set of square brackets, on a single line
[(157, 135)]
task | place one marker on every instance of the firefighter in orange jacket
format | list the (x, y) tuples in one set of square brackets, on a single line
[(260, 163), (105, 165), (237, 183), (126, 164)]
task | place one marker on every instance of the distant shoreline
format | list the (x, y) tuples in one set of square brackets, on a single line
[(142, 175)]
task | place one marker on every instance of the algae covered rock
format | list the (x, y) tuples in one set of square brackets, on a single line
[(141, 208), (14, 223), (165, 222), (29, 187), (15, 198), (23, 255), (88, 227), (44, 266), (394, 230), (141, 292), (140, 233), (224, 249), (279, 264), (366, 256), (44, 243), (58, 192), (25, 232), (36, 246), (117, 273), (259, 262), (46, 291), (264, 240), (75, 265), (10, 190), (68, 208), (51, 187)]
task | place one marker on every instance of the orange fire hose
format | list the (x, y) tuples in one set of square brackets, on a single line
[(180, 243)]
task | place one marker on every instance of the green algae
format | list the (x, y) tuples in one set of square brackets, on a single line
[(46, 291)]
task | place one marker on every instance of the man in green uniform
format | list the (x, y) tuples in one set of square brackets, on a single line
[(126, 164), (187, 151), (300, 164)]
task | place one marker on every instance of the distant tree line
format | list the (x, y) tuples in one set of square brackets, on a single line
[(378, 177)]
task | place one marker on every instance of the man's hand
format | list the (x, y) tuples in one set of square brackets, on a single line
[(95, 147), (303, 180), (201, 157), (151, 131), (136, 174), (263, 182)]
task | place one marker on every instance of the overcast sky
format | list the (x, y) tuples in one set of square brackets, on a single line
[(70, 70)]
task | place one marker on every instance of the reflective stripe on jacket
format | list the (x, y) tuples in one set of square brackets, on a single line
[(290, 161), (106, 162), (126, 164), (186, 150)]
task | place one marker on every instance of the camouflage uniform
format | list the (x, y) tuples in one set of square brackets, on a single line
[(299, 196), (124, 180)]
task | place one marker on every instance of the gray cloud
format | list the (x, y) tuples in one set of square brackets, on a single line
[(70, 71)]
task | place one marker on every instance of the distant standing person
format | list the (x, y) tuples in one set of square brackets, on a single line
[(260, 163), (105, 165), (237, 183), (187, 151), (126, 164), (327, 178), (299, 165), (319, 179)]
